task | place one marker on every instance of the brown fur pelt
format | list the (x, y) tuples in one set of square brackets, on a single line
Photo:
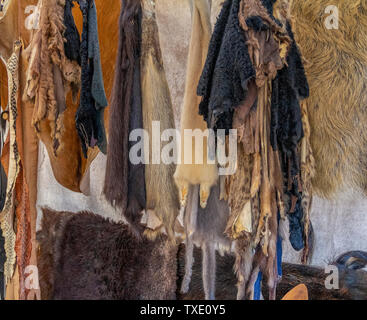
[(123, 107), (205, 228), (204, 174), (161, 191), (84, 256), (50, 75), (336, 68)]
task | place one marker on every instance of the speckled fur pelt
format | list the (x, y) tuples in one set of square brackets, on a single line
[(84, 256), (336, 68), (161, 191)]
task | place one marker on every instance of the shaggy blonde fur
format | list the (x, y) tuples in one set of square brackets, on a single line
[(336, 68), (161, 192), (204, 174)]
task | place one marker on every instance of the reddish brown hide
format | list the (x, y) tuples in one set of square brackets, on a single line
[(70, 165)]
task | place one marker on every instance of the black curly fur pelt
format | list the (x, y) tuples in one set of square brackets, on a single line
[(72, 43), (227, 70), (84, 256)]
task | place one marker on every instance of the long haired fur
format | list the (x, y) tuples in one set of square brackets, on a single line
[(204, 174), (336, 68), (116, 188), (161, 191), (84, 256)]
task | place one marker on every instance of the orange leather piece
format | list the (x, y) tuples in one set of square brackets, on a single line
[(298, 293), (5, 155)]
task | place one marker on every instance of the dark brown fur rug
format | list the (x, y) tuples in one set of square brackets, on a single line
[(84, 256)]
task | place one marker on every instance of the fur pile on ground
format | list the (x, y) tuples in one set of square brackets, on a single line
[(84, 256)]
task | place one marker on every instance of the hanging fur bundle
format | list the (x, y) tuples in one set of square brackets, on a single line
[(161, 191), (258, 94), (203, 174), (50, 74), (124, 181), (115, 266), (336, 69)]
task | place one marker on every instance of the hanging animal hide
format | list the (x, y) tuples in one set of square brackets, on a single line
[(50, 74), (69, 166), (205, 229), (203, 174), (336, 70), (89, 116), (8, 26), (124, 181), (67, 163), (255, 88), (161, 191), (124, 268)]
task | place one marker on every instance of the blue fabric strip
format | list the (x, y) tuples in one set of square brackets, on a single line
[(257, 285)]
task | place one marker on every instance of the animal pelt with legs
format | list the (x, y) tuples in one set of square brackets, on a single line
[(161, 192), (336, 67), (199, 172), (114, 265), (205, 228)]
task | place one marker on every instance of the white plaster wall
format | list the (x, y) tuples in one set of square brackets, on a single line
[(52, 195)]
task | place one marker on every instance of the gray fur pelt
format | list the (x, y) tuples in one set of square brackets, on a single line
[(205, 229)]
